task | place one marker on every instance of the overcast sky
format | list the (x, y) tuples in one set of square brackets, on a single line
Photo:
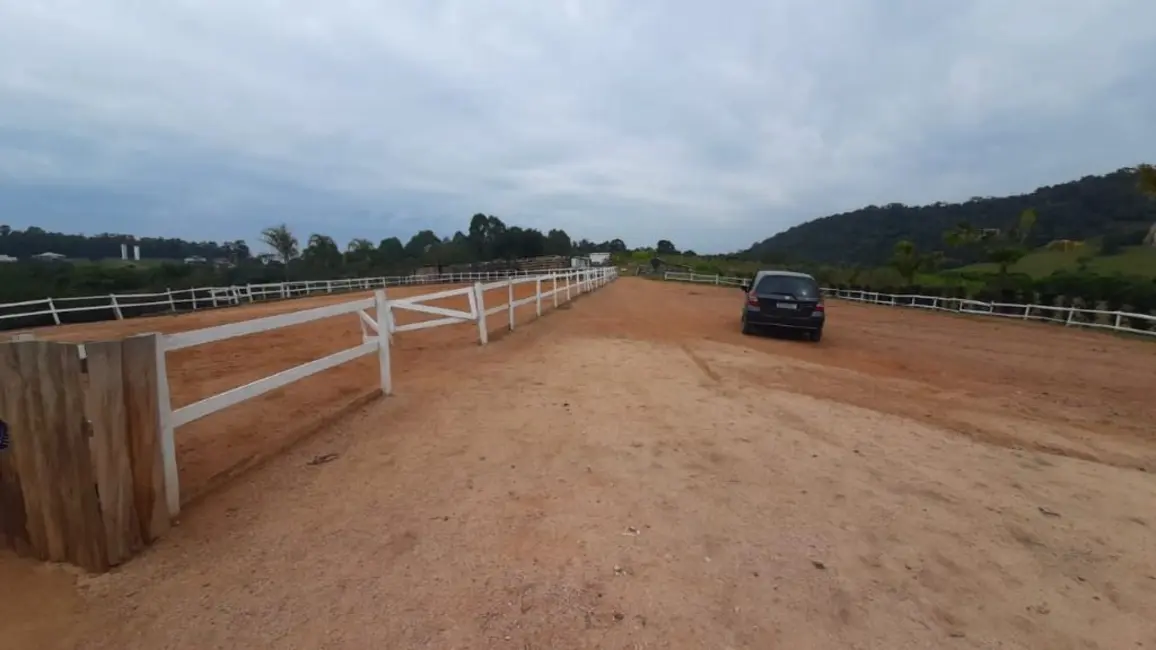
[(713, 124)]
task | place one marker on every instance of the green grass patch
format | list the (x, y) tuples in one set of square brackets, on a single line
[(1136, 260)]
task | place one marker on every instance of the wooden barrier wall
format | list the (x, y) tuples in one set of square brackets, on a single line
[(81, 477)]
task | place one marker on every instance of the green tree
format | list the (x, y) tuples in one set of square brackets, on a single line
[(666, 247), (283, 243), (390, 252), (1001, 247), (558, 243), (360, 254), (1146, 177), (322, 253), (908, 261), (420, 245)]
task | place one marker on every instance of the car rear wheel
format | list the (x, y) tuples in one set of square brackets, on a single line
[(817, 335), (747, 328)]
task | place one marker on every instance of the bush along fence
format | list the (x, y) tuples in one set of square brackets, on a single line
[(56, 311), (88, 471), (1080, 313)]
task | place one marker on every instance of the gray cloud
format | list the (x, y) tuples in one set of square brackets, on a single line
[(712, 125)]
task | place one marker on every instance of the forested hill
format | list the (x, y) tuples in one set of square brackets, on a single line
[(1089, 207)]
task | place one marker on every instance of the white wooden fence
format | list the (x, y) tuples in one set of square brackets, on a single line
[(556, 286), (208, 297), (1119, 321)]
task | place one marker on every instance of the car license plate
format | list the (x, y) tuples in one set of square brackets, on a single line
[(787, 305)]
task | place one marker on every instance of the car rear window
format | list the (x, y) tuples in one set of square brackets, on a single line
[(800, 288)]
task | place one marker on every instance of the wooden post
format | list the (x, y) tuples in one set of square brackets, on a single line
[(48, 463), (109, 445), (156, 487), (480, 299), (21, 526)]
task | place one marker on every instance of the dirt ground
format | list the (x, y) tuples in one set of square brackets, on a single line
[(211, 450), (633, 472)]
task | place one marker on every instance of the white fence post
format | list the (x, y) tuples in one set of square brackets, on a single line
[(116, 307), (538, 296), (168, 443), (383, 334), (510, 292), (554, 277), (172, 303), (568, 286), (55, 314), (480, 298)]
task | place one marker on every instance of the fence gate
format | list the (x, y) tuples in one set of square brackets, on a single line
[(81, 478)]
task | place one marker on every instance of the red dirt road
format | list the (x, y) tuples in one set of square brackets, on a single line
[(632, 472), (210, 450)]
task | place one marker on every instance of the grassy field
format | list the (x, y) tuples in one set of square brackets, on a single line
[(1136, 260)]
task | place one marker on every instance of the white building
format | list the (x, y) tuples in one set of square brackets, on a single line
[(598, 259), (48, 257), (6, 258)]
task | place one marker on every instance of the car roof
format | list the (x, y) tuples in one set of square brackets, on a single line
[(789, 274)]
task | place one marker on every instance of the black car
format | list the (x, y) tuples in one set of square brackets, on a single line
[(783, 299)]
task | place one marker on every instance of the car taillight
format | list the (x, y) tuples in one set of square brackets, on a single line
[(819, 307), (752, 300)]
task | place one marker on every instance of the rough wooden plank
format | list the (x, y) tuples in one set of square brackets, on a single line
[(41, 501), (109, 446), (13, 518), (71, 465), (142, 415)]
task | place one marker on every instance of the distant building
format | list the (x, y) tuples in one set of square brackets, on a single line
[(48, 257), (579, 262), (6, 258), (598, 259), (195, 259)]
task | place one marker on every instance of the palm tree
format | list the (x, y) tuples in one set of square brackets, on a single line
[(360, 251), (282, 241)]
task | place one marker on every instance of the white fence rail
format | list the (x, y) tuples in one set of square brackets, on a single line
[(562, 286), (209, 297), (1118, 321)]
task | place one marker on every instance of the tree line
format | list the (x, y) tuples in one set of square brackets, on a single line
[(94, 268), (1107, 206), (487, 239)]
